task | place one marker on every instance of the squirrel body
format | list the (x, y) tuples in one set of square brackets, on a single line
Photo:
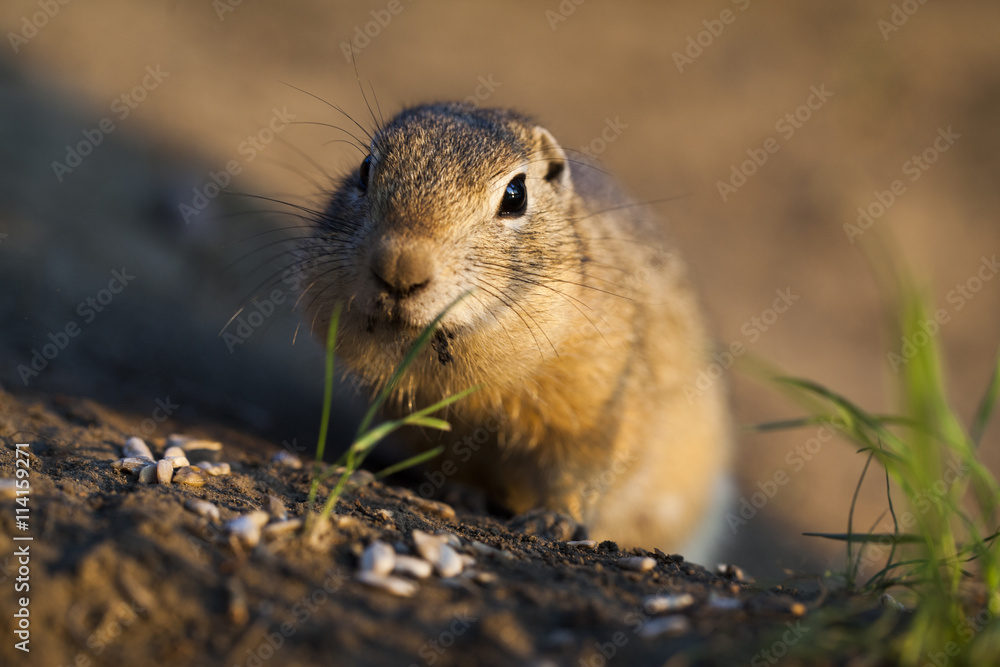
[(580, 324)]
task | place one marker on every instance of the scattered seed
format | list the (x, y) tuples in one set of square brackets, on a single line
[(191, 476), (637, 563), (428, 546), (132, 464), (278, 528), (467, 560), (731, 572), (202, 508), (147, 474), (583, 544), (173, 451), (213, 469), (378, 558), (722, 603), (415, 567), (246, 527), (195, 444), (287, 459), (135, 447), (388, 583), (483, 549), (177, 440), (8, 487), (892, 603), (177, 461), (480, 577), (435, 507), (659, 604), (276, 508), (164, 471), (667, 625), (451, 539), (449, 563)]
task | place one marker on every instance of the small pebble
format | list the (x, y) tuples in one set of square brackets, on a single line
[(415, 567), (276, 508), (386, 515), (637, 563), (164, 471), (659, 604), (246, 527), (202, 508), (667, 625), (287, 459), (378, 558), (147, 474), (214, 469), (8, 487), (173, 451), (277, 528), (137, 447), (388, 583), (132, 464), (177, 461), (191, 476), (583, 544)]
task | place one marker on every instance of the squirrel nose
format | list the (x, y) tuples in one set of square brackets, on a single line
[(402, 267)]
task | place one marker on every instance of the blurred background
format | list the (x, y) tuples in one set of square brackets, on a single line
[(764, 127)]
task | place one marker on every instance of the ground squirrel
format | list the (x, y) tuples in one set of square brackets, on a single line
[(580, 324)]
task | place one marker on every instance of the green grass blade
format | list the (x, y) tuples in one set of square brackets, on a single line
[(986, 405), (410, 462), (407, 361), (324, 422)]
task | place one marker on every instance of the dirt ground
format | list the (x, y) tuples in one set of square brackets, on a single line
[(121, 573), (186, 87)]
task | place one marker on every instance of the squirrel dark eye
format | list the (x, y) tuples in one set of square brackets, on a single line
[(365, 171), (515, 198)]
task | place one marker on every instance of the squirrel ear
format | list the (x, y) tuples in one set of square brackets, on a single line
[(548, 150)]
